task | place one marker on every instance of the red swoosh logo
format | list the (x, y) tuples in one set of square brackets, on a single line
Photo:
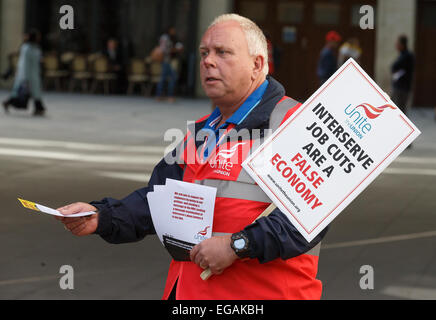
[(373, 112), (203, 232)]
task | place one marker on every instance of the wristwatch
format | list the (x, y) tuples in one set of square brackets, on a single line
[(240, 244)]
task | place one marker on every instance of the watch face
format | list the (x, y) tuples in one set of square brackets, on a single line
[(239, 244)]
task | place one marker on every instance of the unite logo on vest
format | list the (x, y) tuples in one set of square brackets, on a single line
[(225, 159)]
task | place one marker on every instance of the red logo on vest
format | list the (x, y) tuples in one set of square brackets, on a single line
[(223, 163)]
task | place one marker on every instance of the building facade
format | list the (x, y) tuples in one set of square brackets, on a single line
[(296, 27)]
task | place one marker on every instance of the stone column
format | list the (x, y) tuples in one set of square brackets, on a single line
[(12, 14)]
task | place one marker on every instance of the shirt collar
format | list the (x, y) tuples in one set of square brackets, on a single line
[(241, 113)]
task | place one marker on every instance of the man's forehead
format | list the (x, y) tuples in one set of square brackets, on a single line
[(225, 33)]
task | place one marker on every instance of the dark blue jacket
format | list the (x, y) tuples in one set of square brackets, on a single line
[(404, 64), (327, 64), (271, 237)]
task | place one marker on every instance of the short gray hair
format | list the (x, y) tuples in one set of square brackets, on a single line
[(256, 40)]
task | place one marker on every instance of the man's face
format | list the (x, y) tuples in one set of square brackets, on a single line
[(226, 67), (112, 44), (399, 46)]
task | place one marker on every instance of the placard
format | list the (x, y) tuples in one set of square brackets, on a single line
[(330, 149)]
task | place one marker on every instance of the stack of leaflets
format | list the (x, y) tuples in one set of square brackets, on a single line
[(182, 215)]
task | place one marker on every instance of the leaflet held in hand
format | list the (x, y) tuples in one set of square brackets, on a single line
[(39, 207), (182, 215)]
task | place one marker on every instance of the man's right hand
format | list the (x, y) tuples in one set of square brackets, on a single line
[(80, 226)]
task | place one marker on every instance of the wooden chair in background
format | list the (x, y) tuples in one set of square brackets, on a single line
[(52, 71), (102, 74), (80, 72), (137, 75), (155, 72)]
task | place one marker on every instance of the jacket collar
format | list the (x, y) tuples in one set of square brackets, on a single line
[(259, 117)]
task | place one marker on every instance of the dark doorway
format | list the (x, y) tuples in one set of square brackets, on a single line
[(298, 29), (425, 50)]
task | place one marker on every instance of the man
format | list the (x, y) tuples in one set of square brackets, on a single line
[(274, 260), (327, 63), (116, 62), (402, 74)]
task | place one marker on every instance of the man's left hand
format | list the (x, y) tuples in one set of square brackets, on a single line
[(214, 253)]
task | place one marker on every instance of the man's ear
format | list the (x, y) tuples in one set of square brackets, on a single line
[(258, 63)]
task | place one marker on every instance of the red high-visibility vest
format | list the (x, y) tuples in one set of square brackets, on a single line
[(238, 203)]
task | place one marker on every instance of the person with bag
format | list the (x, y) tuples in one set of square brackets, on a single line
[(27, 82)]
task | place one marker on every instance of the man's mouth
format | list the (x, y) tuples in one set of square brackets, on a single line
[(211, 79)]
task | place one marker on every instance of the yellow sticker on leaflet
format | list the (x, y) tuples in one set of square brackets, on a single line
[(29, 204)]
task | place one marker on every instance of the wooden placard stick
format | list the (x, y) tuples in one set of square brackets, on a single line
[(206, 274)]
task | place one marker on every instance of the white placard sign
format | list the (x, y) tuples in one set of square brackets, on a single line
[(330, 149)]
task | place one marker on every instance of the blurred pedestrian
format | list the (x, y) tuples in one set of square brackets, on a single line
[(402, 74), (170, 49), (350, 49), (27, 82), (116, 62), (328, 63)]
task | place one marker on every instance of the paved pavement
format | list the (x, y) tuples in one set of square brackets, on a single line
[(93, 146)]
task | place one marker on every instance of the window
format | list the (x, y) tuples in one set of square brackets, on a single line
[(327, 13), (355, 15), (254, 10), (290, 12), (429, 15)]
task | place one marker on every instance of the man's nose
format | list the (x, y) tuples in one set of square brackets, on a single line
[(209, 60)]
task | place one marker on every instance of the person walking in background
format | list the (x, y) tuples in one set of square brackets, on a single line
[(170, 49), (27, 82), (350, 49), (328, 63), (402, 74)]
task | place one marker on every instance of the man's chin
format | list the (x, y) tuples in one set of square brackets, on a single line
[(213, 95)]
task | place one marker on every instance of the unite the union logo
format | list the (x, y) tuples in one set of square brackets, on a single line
[(359, 118), (222, 163), (204, 231), (227, 154), (373, 112), (201, 235)]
